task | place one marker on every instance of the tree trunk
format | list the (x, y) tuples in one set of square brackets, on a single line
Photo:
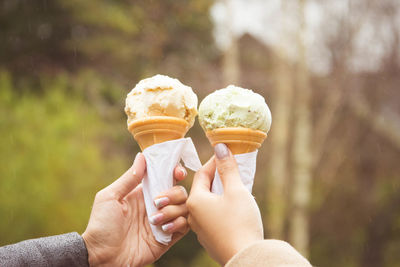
[(277, 186), (302, 156), (277, 190)]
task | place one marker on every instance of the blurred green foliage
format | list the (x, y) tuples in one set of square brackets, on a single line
[(51, 161)]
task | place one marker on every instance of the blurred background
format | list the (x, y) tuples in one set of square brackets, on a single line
[(328, 173)]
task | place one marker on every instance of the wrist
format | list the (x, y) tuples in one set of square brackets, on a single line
[(93, 258)]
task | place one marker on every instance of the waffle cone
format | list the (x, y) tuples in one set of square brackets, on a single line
[(157, 129), (239, 140)]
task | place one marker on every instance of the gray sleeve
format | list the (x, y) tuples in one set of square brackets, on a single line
[(60, 250)]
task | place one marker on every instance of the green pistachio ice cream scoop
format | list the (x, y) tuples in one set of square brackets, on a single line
[(234, 107)]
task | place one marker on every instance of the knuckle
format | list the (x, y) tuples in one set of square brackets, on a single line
[(223, 169), (181, 221), (99, 195), (168, 210), (111, 195), (105, 194)]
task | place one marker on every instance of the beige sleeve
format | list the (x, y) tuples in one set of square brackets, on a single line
[(268, 253)]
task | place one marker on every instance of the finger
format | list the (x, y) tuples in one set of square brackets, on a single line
[(175, 195), (182, 227), (180, 173), (227, 167), (168, 213), (178, 225), (130, 179), (203, 178)]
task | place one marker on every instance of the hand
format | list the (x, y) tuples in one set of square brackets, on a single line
[(119, 234), (224, 224)]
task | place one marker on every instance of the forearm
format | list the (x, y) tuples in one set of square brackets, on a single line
[(61, 250)]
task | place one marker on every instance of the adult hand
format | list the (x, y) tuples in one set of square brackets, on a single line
[(119, 234), (228, 223)]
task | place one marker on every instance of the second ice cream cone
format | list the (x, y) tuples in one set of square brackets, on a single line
[(239, 140), (157, 129)]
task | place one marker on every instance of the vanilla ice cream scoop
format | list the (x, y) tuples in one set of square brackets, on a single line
[(161, 95), (234, 107)]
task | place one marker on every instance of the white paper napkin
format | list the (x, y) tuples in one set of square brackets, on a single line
[(247, 168), (161, 160)]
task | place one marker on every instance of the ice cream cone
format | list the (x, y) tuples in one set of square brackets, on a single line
[(239, 140), (157, 129)]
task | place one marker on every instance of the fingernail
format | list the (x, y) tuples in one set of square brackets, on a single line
[(156, 218), (183, 190), (166, 227), (184, 172), (221, 151), (161, 202)]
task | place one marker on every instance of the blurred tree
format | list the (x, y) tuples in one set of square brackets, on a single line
[(51, 161), (353, 163), (302, 157), (128, 39), (32, 36), (278, 187)]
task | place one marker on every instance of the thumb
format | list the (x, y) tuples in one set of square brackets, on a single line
[(130, 179), (203, 178), (227, 167)]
